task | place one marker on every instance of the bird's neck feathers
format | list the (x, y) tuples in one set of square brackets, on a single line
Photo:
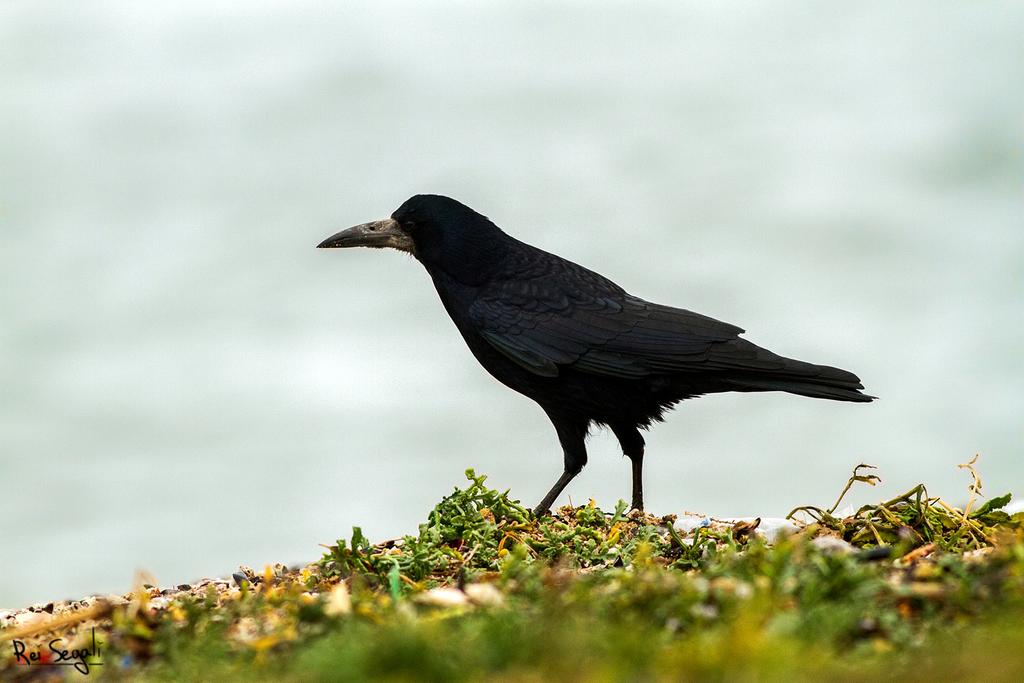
[(469, 254)]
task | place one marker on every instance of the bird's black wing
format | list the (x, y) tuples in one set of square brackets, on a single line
[(548, 313)]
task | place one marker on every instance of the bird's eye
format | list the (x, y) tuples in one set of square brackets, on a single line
[(409, 225)]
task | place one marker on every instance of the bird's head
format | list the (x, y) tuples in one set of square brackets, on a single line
[(443, 234)]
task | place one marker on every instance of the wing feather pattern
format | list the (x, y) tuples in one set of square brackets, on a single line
[(560, 314)]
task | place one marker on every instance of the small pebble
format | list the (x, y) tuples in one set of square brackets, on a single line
[(832, 545), (704, 611), (484, 594), (442, 597)]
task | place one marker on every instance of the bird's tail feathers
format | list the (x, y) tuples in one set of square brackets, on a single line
[(813, 390), (805, 379)]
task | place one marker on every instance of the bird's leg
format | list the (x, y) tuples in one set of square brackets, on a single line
[(638, 482), (633, 447), (572, 436), (545, 505)]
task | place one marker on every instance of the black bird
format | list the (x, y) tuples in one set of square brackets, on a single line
[(574, 341)]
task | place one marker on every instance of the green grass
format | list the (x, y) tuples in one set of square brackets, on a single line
[(483, 590)]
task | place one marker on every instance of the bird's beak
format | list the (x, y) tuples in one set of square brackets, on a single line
[(378, 234)]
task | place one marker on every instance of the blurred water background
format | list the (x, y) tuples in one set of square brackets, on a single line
[(186, 384)]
